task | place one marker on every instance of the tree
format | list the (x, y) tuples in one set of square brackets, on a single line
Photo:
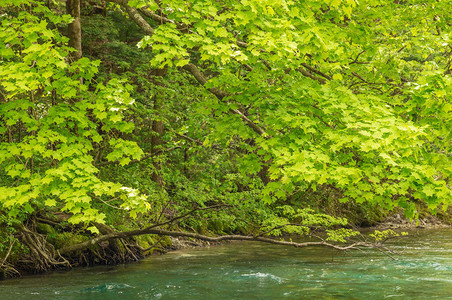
[(74, 28), (326, 90), (282, 98), (53, 126)]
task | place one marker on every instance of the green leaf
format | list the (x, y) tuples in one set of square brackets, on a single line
[(93, 229), (50, 202)]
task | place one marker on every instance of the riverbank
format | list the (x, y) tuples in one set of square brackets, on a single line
[(398, 221), (128, 250), (259, 271), (394, 221)]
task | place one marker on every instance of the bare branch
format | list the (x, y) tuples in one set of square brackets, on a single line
[(359, 76), (186, 214), (162, 20), (151, 230)]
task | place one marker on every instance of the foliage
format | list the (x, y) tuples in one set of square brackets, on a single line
[(340, 235), (381, 236), (55, 122), (262, 106)]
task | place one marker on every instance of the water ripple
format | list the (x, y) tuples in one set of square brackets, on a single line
[(264, 275)]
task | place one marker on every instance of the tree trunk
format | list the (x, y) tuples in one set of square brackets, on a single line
[(75, 28), (156, 142)]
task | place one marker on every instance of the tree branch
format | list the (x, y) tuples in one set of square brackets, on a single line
[(192, 69), (135, 16), (314, 70), (152, 230), (310, 75), (186, 214), (257, 238), (355, 61)]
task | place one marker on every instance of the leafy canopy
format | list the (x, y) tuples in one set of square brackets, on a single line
[(348, 94)]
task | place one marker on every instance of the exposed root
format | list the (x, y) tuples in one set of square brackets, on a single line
[(6, 269), (42, 255), (118, 250)]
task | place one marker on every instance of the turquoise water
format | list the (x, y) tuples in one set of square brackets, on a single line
[(423, 270)]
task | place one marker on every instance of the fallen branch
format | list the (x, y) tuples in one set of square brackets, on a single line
[(151, 230), (154, 229)]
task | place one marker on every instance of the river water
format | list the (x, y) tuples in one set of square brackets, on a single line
[(422, 270)]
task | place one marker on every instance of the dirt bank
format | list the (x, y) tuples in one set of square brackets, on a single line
[(398, 220)]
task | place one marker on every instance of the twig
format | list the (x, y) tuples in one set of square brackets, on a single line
[(386, 252), (198, 142), (355, 61), (186, 214), (8, 253), (108, 204), (359, 76)]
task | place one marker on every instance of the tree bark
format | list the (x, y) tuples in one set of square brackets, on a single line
[(158, 126), (74, 28), (156, 142)]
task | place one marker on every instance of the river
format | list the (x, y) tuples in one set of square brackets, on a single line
[(422, 270)]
